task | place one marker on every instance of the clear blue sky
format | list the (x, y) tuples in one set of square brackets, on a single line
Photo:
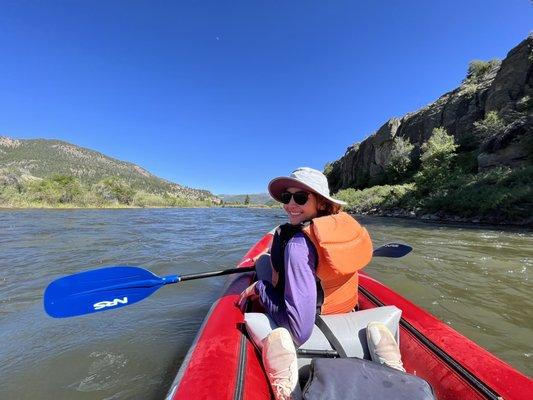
[(224, 95)]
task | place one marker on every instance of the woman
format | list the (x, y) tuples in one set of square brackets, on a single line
[(315, 258)]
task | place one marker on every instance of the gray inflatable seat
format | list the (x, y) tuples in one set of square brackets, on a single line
[(350, 330)]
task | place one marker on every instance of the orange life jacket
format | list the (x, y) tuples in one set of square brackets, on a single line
[(343, 247)]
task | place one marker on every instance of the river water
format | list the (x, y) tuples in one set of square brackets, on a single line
[(478, 280)]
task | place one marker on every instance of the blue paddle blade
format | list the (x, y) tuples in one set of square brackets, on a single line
[(393, 250), (99, 290)]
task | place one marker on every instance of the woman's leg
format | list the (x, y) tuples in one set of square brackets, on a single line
[(281, 364), (382, 346), (277, 348)]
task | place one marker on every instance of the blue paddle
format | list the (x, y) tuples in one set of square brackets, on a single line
[(119, 286)]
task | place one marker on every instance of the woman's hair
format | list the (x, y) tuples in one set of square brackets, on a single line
[(326, 207)]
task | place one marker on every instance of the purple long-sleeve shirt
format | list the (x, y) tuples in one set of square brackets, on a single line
[(295, 308)]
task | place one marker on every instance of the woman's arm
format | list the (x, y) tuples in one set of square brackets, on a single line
[(295, 308)]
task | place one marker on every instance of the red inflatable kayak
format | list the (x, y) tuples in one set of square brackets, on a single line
[(223, 364)]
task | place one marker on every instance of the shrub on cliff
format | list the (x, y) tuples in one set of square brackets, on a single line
[(491, 125), (437, 158), (485, 129), (477, 69), (328, 168)]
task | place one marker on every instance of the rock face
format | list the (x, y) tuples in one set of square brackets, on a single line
[(506, 88)]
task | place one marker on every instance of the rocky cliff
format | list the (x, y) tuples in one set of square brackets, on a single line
[(505, 87)]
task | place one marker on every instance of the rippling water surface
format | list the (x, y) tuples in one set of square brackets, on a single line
[(475, 279)]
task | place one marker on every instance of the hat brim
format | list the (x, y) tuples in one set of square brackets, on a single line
[(279, 185)]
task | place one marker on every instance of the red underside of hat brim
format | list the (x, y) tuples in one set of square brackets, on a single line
[(279, 185)]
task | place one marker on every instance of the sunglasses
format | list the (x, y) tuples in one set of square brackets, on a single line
[(300, 198)]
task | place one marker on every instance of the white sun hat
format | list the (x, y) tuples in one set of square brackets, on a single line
[(303, 178)]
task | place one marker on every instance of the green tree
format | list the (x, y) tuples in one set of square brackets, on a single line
[(400, 158), (437, 158), (69, 188), (41, 191), (247, 200), (114, 189)]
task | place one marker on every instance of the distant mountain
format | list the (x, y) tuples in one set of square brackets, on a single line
[(256, 198), (23, 161)]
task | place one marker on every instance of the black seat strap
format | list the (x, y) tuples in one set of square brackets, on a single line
[(333, 341)]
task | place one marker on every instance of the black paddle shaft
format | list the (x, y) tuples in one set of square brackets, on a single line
[(216, 273), (393, 250)]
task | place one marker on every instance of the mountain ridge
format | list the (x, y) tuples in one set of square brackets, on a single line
[(27, 160)]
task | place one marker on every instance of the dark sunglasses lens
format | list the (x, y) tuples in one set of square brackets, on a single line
[(300, 198), (286, 197)]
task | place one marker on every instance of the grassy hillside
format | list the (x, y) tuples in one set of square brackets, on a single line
[(41, 172)]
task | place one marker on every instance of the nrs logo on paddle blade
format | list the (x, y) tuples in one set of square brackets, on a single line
[(113, 303)]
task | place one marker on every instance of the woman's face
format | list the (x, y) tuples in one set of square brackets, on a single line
[(299, 213)]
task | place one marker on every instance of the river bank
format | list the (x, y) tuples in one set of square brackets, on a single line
[(496, 219), (399, 213)]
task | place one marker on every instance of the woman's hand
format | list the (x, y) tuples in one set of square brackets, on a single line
[(248, 293)]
